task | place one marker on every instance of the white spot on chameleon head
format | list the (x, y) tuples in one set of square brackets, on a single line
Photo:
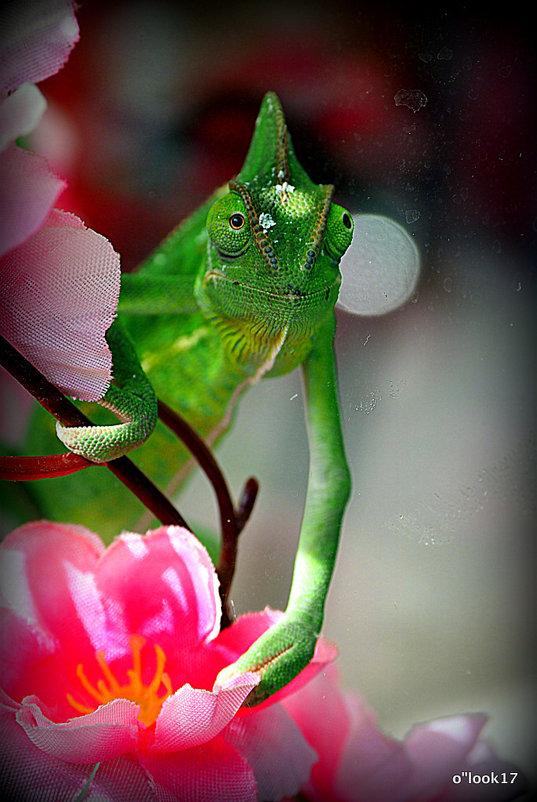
[(283, 188), (266, 221)]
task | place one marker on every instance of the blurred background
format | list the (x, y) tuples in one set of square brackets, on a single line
[(426, 116)]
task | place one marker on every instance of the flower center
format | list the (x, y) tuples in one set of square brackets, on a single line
[(135, 690)]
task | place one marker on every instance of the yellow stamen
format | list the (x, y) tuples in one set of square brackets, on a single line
[(135, 691)]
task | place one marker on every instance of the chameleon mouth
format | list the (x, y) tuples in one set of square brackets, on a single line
[(290, 293)]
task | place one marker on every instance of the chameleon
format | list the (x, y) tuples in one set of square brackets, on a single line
[(244, 289)]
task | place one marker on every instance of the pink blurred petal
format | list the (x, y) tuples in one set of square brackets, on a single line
[(320, 712), (20, 113), (483, 761), (191, 717), (275, 748), (164, 582), (28, 191), (29, 773), (214, 772), (439, 748), (60, 291), (104, 734), (371, 761), (357, 762), (37, 38)]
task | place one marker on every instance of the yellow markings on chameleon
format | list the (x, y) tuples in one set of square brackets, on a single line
[(181, 345)]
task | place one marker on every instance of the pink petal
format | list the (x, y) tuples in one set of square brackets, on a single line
[(121, 780), (20, 113), (28, 191), (214, 772), (28, 773), (41, 564), (60, 291), (109, 731), (440, 747), (482, 760), (320, 712), (357, 763), (22, 645), (275, 749), (191, 717), (371, 761), (37, 38), (164, 583)]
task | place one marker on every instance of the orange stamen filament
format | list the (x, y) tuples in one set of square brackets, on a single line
[(135, 691)]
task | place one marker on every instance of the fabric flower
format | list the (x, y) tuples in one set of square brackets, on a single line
[(359, 763), (110, 656), (59, 281)]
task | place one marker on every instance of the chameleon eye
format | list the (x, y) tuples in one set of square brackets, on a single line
[(227, 226), (236, 221), (339, 230)]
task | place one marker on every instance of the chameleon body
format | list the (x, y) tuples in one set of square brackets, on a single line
[(244, 289)]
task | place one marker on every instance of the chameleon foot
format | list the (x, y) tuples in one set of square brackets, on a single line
[(104, 443), (278, 656)]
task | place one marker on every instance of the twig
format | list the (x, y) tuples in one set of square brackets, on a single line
[(67, 413), (25, 469), (231, 522)]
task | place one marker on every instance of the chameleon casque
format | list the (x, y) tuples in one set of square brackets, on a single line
[(245, 288)]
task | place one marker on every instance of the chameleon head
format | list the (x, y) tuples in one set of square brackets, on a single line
[(271, 274)]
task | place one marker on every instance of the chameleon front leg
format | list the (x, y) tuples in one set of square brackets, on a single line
[(285, 649), (132, 400), (131, 397)]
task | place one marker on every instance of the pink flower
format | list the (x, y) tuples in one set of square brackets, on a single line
[(359, 763), (110, 656), (59, 281), (37, 38)]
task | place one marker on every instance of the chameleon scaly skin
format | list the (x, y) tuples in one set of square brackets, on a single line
[(245, 288)]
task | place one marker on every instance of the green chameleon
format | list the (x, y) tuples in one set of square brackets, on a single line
[(244, 289)]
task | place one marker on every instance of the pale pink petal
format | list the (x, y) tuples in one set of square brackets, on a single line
[(482, 761), (191, 717), (28, 191), (372, 766), (121, 780), (214, 772), (22, 646), (20, 113), (37, 38), (40, 562), (439, 748), (60, 290), (109, 731), (26, 772), (237, 638), (165, 583), (275, 749), (357, 763)]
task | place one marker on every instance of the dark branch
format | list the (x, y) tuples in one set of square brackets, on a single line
[(231, 522), (69, 415)]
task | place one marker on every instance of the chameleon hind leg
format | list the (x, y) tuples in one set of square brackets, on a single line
[(131, 399), (287, 647)]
